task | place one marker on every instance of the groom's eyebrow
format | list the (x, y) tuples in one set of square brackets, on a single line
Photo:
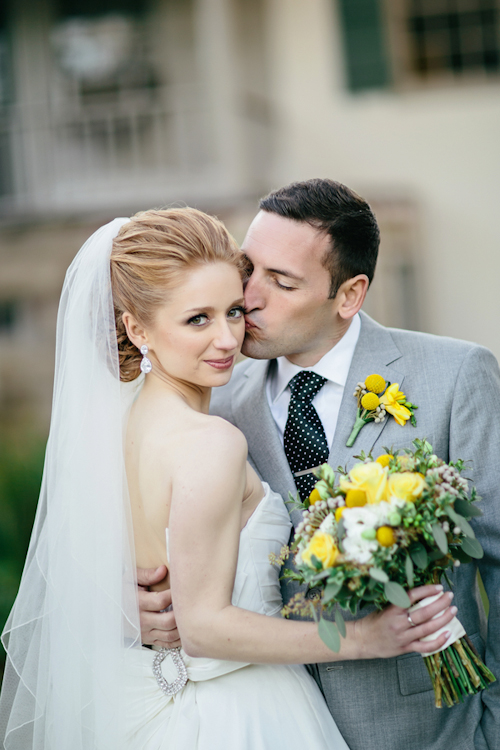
[(288, 274)]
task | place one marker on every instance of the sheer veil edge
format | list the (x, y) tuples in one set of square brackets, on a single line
[(76, 612)]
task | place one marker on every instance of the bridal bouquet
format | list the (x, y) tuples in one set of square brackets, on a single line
[(386, 526)]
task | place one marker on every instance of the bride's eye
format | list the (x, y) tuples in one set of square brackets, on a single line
[(198, 320), (236, 312)]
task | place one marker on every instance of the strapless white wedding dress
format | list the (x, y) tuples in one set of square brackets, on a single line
[(230, 705)]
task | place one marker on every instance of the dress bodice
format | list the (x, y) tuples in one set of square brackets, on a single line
[(228, 704)]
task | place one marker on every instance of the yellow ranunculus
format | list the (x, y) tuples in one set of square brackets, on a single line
[(392, 399), (323, 548), (407, 485), (338, 513), (371, 478)]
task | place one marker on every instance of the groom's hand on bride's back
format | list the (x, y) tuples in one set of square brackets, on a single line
[(158, 628)]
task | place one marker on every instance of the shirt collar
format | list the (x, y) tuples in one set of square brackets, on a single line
[(334, 365)]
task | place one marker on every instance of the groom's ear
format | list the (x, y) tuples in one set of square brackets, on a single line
[(351, 295), (135, 331)]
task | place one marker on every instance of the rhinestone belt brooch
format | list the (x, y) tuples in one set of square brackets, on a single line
[(170, 688)]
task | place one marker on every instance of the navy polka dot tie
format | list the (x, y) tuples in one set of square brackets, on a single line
[(304, 439)]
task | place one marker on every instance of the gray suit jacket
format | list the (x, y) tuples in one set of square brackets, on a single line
[(387, 704)]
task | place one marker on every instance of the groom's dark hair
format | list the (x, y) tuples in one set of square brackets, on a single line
[(339, 212)]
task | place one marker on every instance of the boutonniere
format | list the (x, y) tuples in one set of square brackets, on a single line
[(376, 398)]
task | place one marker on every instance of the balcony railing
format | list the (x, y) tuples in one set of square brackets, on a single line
[(146, 148)]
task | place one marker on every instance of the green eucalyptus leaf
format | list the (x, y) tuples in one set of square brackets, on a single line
[(440, 538), (340, 529), (409, 571), (435, 554), (419, 555), (329, 634), (467, 509), (396, 594), (340, 623), (472, 547), (459, 554), (370, 596), (379, 575), (460, 521), (328, 474), (316, 562), (331, 591)]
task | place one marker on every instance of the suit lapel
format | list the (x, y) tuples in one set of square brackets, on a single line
[(375, 352), (253, 416)]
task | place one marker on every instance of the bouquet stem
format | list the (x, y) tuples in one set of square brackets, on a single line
[(456, 672)]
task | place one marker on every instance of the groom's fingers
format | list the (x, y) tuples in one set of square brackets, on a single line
[(157, 627), (149, 576), (154, 601)]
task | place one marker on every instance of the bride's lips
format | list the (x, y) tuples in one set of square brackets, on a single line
[(220, 364)]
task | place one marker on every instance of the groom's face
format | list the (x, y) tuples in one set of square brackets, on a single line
[(286, 297)]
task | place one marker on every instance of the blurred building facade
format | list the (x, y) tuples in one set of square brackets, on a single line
[(112, 106)]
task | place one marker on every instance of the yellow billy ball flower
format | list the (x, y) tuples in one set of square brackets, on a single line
[(385, 536), (384, 459), (323, 548), (314, 497), (338, 512), (355, 498), (370, 401), (375, 383)]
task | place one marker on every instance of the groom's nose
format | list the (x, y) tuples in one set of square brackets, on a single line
[(254, 298)]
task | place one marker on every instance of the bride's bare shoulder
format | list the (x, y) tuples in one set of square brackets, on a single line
[(186, 433), (215, 435)]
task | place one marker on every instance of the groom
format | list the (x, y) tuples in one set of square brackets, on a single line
[(313, 248)]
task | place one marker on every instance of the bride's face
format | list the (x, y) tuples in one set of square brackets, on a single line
[(198, 333)]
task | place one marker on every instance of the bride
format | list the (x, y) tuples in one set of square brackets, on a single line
[(138, 473)]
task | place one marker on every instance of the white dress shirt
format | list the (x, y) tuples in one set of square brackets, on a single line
[(334, 366)]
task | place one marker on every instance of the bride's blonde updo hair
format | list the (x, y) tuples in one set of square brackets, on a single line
[(150, 254)]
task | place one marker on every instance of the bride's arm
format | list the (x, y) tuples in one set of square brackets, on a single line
[(204, 529)]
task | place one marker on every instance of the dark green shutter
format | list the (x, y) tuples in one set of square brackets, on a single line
[(364, 44)]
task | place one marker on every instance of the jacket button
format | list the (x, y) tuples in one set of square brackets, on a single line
[(313, 593)]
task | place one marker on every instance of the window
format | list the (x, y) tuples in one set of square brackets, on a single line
[(453, 36), (398, 41)]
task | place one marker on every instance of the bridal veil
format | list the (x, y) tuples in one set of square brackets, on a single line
[(76, 611)]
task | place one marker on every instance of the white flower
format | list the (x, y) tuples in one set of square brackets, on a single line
[(328, 525), (356, 521), (364, 516), (358, 549)]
